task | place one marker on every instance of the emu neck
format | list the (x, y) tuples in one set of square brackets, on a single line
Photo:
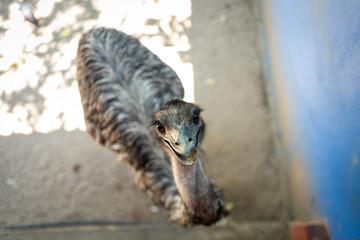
[(192, 184)]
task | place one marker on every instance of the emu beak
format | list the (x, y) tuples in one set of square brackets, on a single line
[(185, 148), (188, 159)]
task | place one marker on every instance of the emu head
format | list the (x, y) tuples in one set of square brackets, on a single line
[(179, 126)]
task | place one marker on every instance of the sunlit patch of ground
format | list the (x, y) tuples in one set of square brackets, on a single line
[(38, 91)]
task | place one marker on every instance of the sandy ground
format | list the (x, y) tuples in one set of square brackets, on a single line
[(50, 170)]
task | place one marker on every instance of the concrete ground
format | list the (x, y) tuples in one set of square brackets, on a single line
[(258, 231), (50, 169)]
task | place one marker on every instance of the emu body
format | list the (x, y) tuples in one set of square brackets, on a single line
[(132, 106)]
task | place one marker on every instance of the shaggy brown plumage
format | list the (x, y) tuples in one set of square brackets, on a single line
[(128, 96)]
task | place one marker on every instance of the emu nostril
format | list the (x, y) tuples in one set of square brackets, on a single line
[(176, 143), (190, 139)]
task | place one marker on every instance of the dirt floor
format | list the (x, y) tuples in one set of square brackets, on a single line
[(50, 169)]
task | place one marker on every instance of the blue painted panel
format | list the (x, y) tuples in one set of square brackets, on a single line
[(314, 48)]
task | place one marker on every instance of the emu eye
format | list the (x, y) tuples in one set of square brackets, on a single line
[(196, 118), (161, 129)]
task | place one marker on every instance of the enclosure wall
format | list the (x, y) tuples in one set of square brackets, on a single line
[(312, 58)]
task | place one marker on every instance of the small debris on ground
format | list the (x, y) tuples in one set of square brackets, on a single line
[(11, 182)]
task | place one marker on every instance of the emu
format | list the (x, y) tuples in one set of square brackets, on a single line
[(133, 106)]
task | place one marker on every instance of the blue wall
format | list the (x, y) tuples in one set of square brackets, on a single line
[(313, 63)]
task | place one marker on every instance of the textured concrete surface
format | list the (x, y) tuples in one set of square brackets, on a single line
[(50, 170), (256, 230)]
